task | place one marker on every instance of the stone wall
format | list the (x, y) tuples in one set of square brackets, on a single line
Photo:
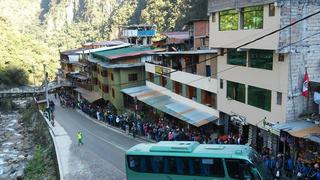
[(302, 44)]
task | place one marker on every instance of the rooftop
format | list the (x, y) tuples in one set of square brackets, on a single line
[(186, 148), (210, 51), (125, 52)]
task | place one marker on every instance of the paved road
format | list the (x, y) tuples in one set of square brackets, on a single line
[(102, 156)]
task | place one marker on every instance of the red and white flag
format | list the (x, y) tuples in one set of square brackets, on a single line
[(305, 85)]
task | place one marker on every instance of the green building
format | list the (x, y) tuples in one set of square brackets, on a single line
[(118, 69)]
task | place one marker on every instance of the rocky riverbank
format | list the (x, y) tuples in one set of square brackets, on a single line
[(21, 149), (16, 146)]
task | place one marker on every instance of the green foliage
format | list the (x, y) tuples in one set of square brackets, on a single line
[(18, 53), (38, 167), (42, 165), (13, 76), (6, 105)]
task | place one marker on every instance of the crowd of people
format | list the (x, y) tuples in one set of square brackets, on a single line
[(157, 130), (285, 166)]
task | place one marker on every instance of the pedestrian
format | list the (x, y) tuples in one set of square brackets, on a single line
[(80, 138), (52, 119), (134, 131)]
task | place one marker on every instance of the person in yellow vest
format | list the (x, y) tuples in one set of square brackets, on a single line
[(80, 138)]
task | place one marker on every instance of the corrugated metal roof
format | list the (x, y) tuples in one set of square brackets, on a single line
[(210, 51), (124, 52), (301, 129), (167, 104)]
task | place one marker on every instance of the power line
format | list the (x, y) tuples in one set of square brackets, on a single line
[(224, 53)]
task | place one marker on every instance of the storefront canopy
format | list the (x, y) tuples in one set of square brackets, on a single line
[(165, 103), (301, 129), (88, 95)]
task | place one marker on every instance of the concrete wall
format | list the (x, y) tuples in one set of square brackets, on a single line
[(304, 52), (235, 38), (275, 80)]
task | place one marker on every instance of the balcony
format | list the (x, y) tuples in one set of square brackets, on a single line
[(195, 80)]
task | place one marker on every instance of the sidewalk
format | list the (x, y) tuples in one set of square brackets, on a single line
[(115, 129), (62, 144)]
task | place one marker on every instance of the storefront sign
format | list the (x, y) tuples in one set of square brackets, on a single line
[(162, 71), (238, 119)]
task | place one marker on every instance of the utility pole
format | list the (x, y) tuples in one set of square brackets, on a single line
[(46, 83), (34, 81)]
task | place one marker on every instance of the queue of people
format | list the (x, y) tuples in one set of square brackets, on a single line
[(285, 166)]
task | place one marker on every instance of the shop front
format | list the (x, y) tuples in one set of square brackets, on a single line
[(300, 140)]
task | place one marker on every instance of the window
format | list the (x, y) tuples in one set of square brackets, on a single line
[(228, 20), (209, 99), (262, 59), (281, 57), (163, 81), (260, 98), (132, 77), (112, 77), (252, 17), (221, 83), (279, 98), (236, 91), (213, 17), (208, 70), (113, 93), (177, 88), (105, 88), (240, 169), (272, 9), (150, 77), (192, 93), (177, 165), (235, 57)]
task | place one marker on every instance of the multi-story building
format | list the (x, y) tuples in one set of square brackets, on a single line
[(141, 34), (75, 67), (117, 69), (260, 83), (177, 86), (199, 33)]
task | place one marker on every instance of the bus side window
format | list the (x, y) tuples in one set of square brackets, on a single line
[(169, 165), (180, 164), (133, 162), (239, 169), (212, 167), (156, 164), (144, 163), (233, 168), (193, 166)]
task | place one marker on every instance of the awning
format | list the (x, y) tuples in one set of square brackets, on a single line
[(300, 129), (88, 95), (170, 106)]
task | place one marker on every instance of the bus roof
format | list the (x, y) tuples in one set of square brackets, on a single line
[(191, 149)]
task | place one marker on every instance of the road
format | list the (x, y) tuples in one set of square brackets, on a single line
[(102, 156)]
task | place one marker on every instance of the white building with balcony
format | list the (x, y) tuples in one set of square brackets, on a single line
[(261, 82)]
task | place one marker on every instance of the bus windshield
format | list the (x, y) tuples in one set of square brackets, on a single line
[(257, 161)]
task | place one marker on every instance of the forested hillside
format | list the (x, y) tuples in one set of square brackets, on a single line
[(47, 26)]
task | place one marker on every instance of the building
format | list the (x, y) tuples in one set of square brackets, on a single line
[(75, 67), (141, 34), (260, 83), (179, 88), (119, 68), (199, 33), (174, 41)]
